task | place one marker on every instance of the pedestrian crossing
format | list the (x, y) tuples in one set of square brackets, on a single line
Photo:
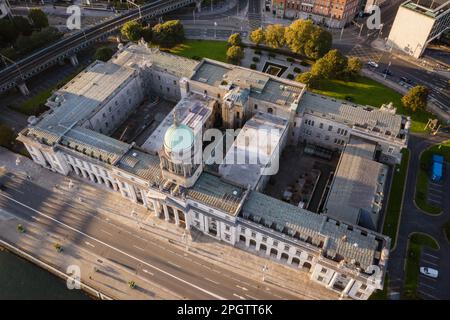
[(365, 54), (254, 20)]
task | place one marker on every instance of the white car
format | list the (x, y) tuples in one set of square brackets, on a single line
[(373, 64), (430, 272)]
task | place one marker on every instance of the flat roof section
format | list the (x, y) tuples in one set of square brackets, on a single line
[(357, 187), (255, 145), (350, 114)]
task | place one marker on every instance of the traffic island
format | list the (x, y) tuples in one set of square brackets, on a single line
[(416, 242), (423, 177)]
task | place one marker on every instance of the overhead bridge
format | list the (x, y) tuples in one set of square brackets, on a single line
[(15, 74)]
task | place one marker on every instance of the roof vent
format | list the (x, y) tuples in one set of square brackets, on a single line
[(135, 154)]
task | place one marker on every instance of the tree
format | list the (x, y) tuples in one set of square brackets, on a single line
[(303, 37), (23, 25), (8, 32), (308, 79), (416, 98), (235, 40), (333, 65), (235, 54), (318, 44), (37, 39), (39, 18), (274, 35), (147, 33), (6, 136), (104, 53), (354, 66), (257, 36), (298, 34), (132, 30), (168, 34)]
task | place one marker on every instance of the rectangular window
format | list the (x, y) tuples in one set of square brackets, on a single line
[(330, 128), (324, 270)]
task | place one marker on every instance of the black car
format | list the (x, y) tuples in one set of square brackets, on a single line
[(406, 80), (388, 72)]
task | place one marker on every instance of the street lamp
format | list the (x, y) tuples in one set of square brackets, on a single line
[(185, 238), (138, 6), (387, 69), (215, 29), (264, 269)]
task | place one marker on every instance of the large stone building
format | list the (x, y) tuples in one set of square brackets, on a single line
[(333, 13), (164, 174), (430, 19)]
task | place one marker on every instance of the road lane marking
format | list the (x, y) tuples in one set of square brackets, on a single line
[(428, 262), (174, 264), (215, 282), (253, 298), (243, 288), (426, 285), (429, 254), (89, 244), (116, 249), (148, 272), (238, 296), (424, 277), (108, 233), (139, 248), (35, 218)]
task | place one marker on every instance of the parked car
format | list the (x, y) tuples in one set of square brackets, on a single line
[(429, 272), (388, 72), (373, 64)]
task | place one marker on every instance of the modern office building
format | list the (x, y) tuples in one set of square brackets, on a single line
[(332, 13), (418, 23), (164, 175)]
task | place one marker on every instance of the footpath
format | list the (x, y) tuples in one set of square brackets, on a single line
[(115, 207)]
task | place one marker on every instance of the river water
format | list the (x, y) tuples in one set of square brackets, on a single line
[(21, 279)]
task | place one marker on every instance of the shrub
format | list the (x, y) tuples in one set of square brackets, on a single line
[(255, 59), (290, 76), (297, 70), (258, 52), (290, 59), (272, 55), (304, 63), (253, 66)]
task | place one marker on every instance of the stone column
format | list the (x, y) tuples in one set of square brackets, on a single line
[(91, 176), (186, 220), (177, 218), (347, 288), (166, 212), (333, 279), (155, 206)]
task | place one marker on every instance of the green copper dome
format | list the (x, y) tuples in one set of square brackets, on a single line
[(178, 138)]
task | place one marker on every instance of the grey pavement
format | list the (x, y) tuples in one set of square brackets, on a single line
[(414, 220)]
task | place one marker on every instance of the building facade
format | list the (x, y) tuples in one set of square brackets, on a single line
[(332, 13), (163, 176), (431, 19)]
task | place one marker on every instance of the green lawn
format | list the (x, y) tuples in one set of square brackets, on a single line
[(416, 242), (396, 198), (197, 49), (366, 91), (423, 176)]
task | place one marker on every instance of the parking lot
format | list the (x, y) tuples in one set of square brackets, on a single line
[(427, 286), (436, 193)]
